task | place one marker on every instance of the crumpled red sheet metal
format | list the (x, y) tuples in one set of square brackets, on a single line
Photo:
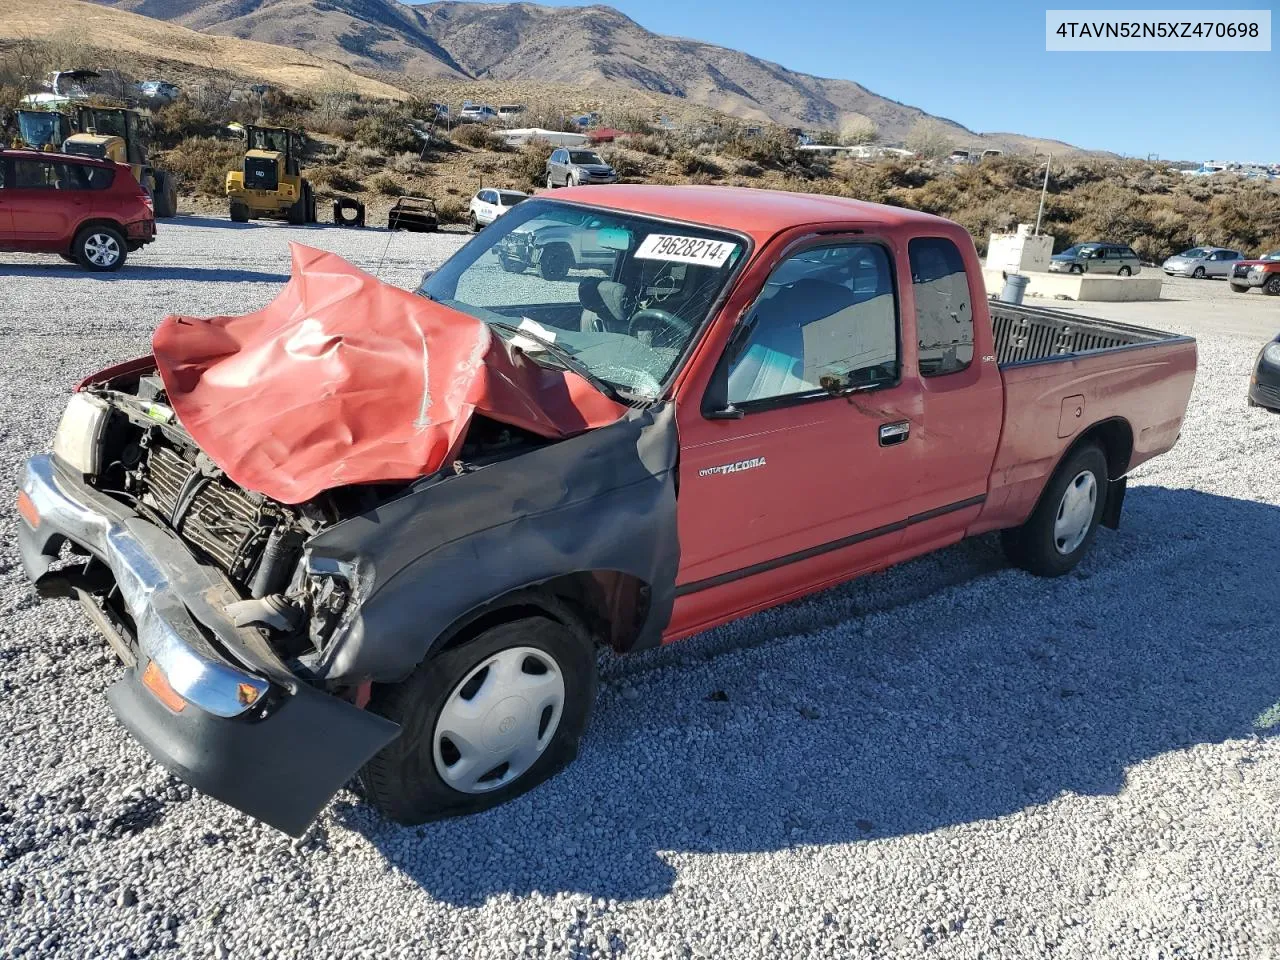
[(344, 379)]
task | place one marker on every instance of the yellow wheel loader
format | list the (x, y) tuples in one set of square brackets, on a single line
[(269, 183), (121, 134)]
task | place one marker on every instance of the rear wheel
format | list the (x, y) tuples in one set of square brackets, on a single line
[(100, 249), (309, 195), (483, 722), (239, 211), (297, 213), (1058, 533), (165, 196)]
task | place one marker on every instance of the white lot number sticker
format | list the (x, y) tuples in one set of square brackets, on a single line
[(695, 250)]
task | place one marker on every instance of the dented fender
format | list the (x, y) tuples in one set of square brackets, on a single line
[(601, 501)]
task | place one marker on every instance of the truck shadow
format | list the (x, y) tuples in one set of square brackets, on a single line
[(947, 691)]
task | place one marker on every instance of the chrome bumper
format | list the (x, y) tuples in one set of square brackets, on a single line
[(160, 584)]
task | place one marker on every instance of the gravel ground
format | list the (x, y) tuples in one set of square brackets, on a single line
[(950, 759)]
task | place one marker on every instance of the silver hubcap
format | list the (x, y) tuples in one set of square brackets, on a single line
[(102, 250), (498, 720), (1075, 512)]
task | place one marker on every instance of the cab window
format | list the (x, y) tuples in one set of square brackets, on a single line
[(826, 321), (944, 313)]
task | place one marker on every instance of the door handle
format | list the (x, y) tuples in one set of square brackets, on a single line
[(891, 434)]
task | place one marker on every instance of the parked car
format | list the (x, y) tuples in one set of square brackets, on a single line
[(490, 203), (1263, 272), (555, 248), (508, 110), (1264, 384), (416, 214), (90, 212), (1096, 258), (619, 460), (1201, 262), (159, 91), (477, 113), (567, 167)]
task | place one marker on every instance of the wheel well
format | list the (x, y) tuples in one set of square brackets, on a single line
[(1115, 438), (606, 607), (96, 222)]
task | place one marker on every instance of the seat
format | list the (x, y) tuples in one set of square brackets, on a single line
[(773, 363), (603, 305)]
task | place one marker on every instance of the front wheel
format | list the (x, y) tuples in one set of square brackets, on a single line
[(474, 224), (483, 722), (1272, 287), (100, 249), (1076, 268), (555, 262), (511, 266), (551, 184), (1061, 528), (1125, 272), (1198, 273)]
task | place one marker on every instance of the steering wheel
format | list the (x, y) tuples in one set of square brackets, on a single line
[(645, 324)]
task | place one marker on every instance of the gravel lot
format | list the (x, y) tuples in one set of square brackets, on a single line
[(950, 759)]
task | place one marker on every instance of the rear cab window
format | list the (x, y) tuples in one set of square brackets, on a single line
[(944, 308)]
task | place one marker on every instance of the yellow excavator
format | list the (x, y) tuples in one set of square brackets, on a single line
[(121, 134), (270, 182)]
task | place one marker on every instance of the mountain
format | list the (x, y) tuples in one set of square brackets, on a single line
[(581, 46)]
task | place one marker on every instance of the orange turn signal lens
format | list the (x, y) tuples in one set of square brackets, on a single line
[(158, 684), (27, 509)]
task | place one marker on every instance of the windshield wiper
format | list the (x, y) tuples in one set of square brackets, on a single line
[(564, 356)]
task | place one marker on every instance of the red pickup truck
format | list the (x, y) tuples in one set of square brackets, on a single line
[(371, 530)]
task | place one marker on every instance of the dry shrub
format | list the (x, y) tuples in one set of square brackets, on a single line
[(452, 209), (201, 164), (330, 179), (388, 185), (476, 135), (527, 166)]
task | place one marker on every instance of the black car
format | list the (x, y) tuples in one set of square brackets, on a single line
[(1264, 385)]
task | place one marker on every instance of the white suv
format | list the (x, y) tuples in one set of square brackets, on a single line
[(490, 203)]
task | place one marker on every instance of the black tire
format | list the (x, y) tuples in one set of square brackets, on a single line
[(165, 197), (297, 213), (402, 780), (1034, 545), (239, 211), (69, 258), (1239, 289), (1076, 268), (309, 195), (473, 223), (511, 266), (1272, 287), (1198, 273), (556, 262), (101, 249), (1125, 272)]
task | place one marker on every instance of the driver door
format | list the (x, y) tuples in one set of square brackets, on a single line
[(806, 487)]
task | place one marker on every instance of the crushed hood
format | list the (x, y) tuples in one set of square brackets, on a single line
[(344, 379)]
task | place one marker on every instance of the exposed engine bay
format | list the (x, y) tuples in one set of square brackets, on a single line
[(152, 463)]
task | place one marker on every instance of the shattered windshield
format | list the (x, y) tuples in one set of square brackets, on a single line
[(625, 295)]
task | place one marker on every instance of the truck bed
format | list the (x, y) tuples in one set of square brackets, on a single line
[(1035, 334)]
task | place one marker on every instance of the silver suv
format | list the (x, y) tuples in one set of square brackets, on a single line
[(1096, 258), (567, 167)]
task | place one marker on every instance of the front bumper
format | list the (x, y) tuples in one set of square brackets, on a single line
[(249, 733), (1253, 278)]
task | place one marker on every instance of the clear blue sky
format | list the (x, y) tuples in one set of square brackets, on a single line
[(984, 65)]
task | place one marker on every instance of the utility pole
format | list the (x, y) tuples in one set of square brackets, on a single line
[(1043, 190)]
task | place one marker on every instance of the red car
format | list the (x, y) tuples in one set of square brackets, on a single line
[(363, 529), (90, 212)]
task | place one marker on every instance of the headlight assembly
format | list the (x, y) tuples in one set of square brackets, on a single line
[(78, 442), (1271, 354)]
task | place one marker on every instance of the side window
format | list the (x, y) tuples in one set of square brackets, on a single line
[(944, 314), (827, 319), (33, 175)]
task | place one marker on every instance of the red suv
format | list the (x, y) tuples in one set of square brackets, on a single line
[(90, 212)]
